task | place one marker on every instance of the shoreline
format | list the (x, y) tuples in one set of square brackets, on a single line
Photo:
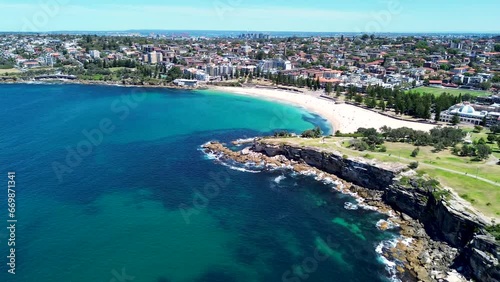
[(401, 255), (343, 117)]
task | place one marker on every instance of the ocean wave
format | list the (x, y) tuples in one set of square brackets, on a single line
[(350, 206), (388, 225), (239, 168), (390, 266), (278, 179)]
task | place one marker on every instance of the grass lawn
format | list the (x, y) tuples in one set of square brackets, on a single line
[(482, 195), (120, 68), (456, 92), (3, 71)]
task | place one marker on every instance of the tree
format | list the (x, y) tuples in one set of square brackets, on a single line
[(173, 74), (415, 152), (483, 151), (358, 99), (328, 88), (455, 120), (491, 138), (381, 105), (485, 85), (312, 133), (413, 165)]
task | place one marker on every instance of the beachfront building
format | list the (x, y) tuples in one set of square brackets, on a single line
[(465, 112), (186, 82)]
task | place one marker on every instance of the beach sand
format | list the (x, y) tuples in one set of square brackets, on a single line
[(343, 117)]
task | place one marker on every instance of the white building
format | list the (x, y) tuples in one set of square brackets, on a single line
[(465, 112), (186, 82), (152, 57), (95, 54)]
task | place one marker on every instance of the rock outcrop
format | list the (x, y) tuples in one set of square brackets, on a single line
[(445, 233), (445, 219)]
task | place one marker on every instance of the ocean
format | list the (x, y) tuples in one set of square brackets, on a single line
[(111, 185)]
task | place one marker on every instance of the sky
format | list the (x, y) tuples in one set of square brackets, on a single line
[(365, 16)]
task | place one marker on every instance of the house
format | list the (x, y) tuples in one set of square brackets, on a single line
[(460, 70), (435, 83), (30, 64)]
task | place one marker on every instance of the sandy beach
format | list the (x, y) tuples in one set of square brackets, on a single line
[(343, 117)]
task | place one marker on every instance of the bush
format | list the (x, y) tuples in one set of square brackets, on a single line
[(312, 133), (382, 149), (282, 133), (478, 128), (438, 147), (360, 145), (415, 152), (413, 165), (441, 194), (494, 230), (345, 157), (491, 138)]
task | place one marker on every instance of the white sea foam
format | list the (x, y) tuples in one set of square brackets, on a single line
[(239, 168), (390, 224), (390, 266), (278, 179), (350, 206)]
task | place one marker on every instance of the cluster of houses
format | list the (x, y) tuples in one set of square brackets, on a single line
[(404, 62)]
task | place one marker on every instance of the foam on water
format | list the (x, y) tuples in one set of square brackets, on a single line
[(278, 179)]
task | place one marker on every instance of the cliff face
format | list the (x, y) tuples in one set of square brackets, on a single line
[(447, 221), (357, 172)]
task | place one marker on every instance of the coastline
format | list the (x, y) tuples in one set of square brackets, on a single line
[(440, 238), (343, 117)]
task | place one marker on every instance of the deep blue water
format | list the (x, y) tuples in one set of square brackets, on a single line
[(139, 201)]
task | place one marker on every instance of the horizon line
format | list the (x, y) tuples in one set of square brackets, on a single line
[(253, 31)]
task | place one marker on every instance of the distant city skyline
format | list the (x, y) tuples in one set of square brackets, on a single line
[(258, 15)]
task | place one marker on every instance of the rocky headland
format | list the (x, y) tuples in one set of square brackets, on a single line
[(440, 235)]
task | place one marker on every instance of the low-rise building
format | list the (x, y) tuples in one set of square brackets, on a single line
[(465, 112)]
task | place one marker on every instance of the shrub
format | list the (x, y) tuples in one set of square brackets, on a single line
[(494, 230), (478, 128), (312, 133), (345, 157), (360, 145), (413, 165), (441, 194), (282, 133), (491, 138), (415, 152), (382, 149)]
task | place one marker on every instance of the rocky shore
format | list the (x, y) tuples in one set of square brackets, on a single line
[(438, 237)]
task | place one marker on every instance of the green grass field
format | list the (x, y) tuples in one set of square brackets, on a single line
[(482, 195), (10, 71), (456, 92)]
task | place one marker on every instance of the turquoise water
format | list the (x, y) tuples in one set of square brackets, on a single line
[(138, 200)]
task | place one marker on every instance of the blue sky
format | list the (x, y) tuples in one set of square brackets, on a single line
[(365, 16)]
